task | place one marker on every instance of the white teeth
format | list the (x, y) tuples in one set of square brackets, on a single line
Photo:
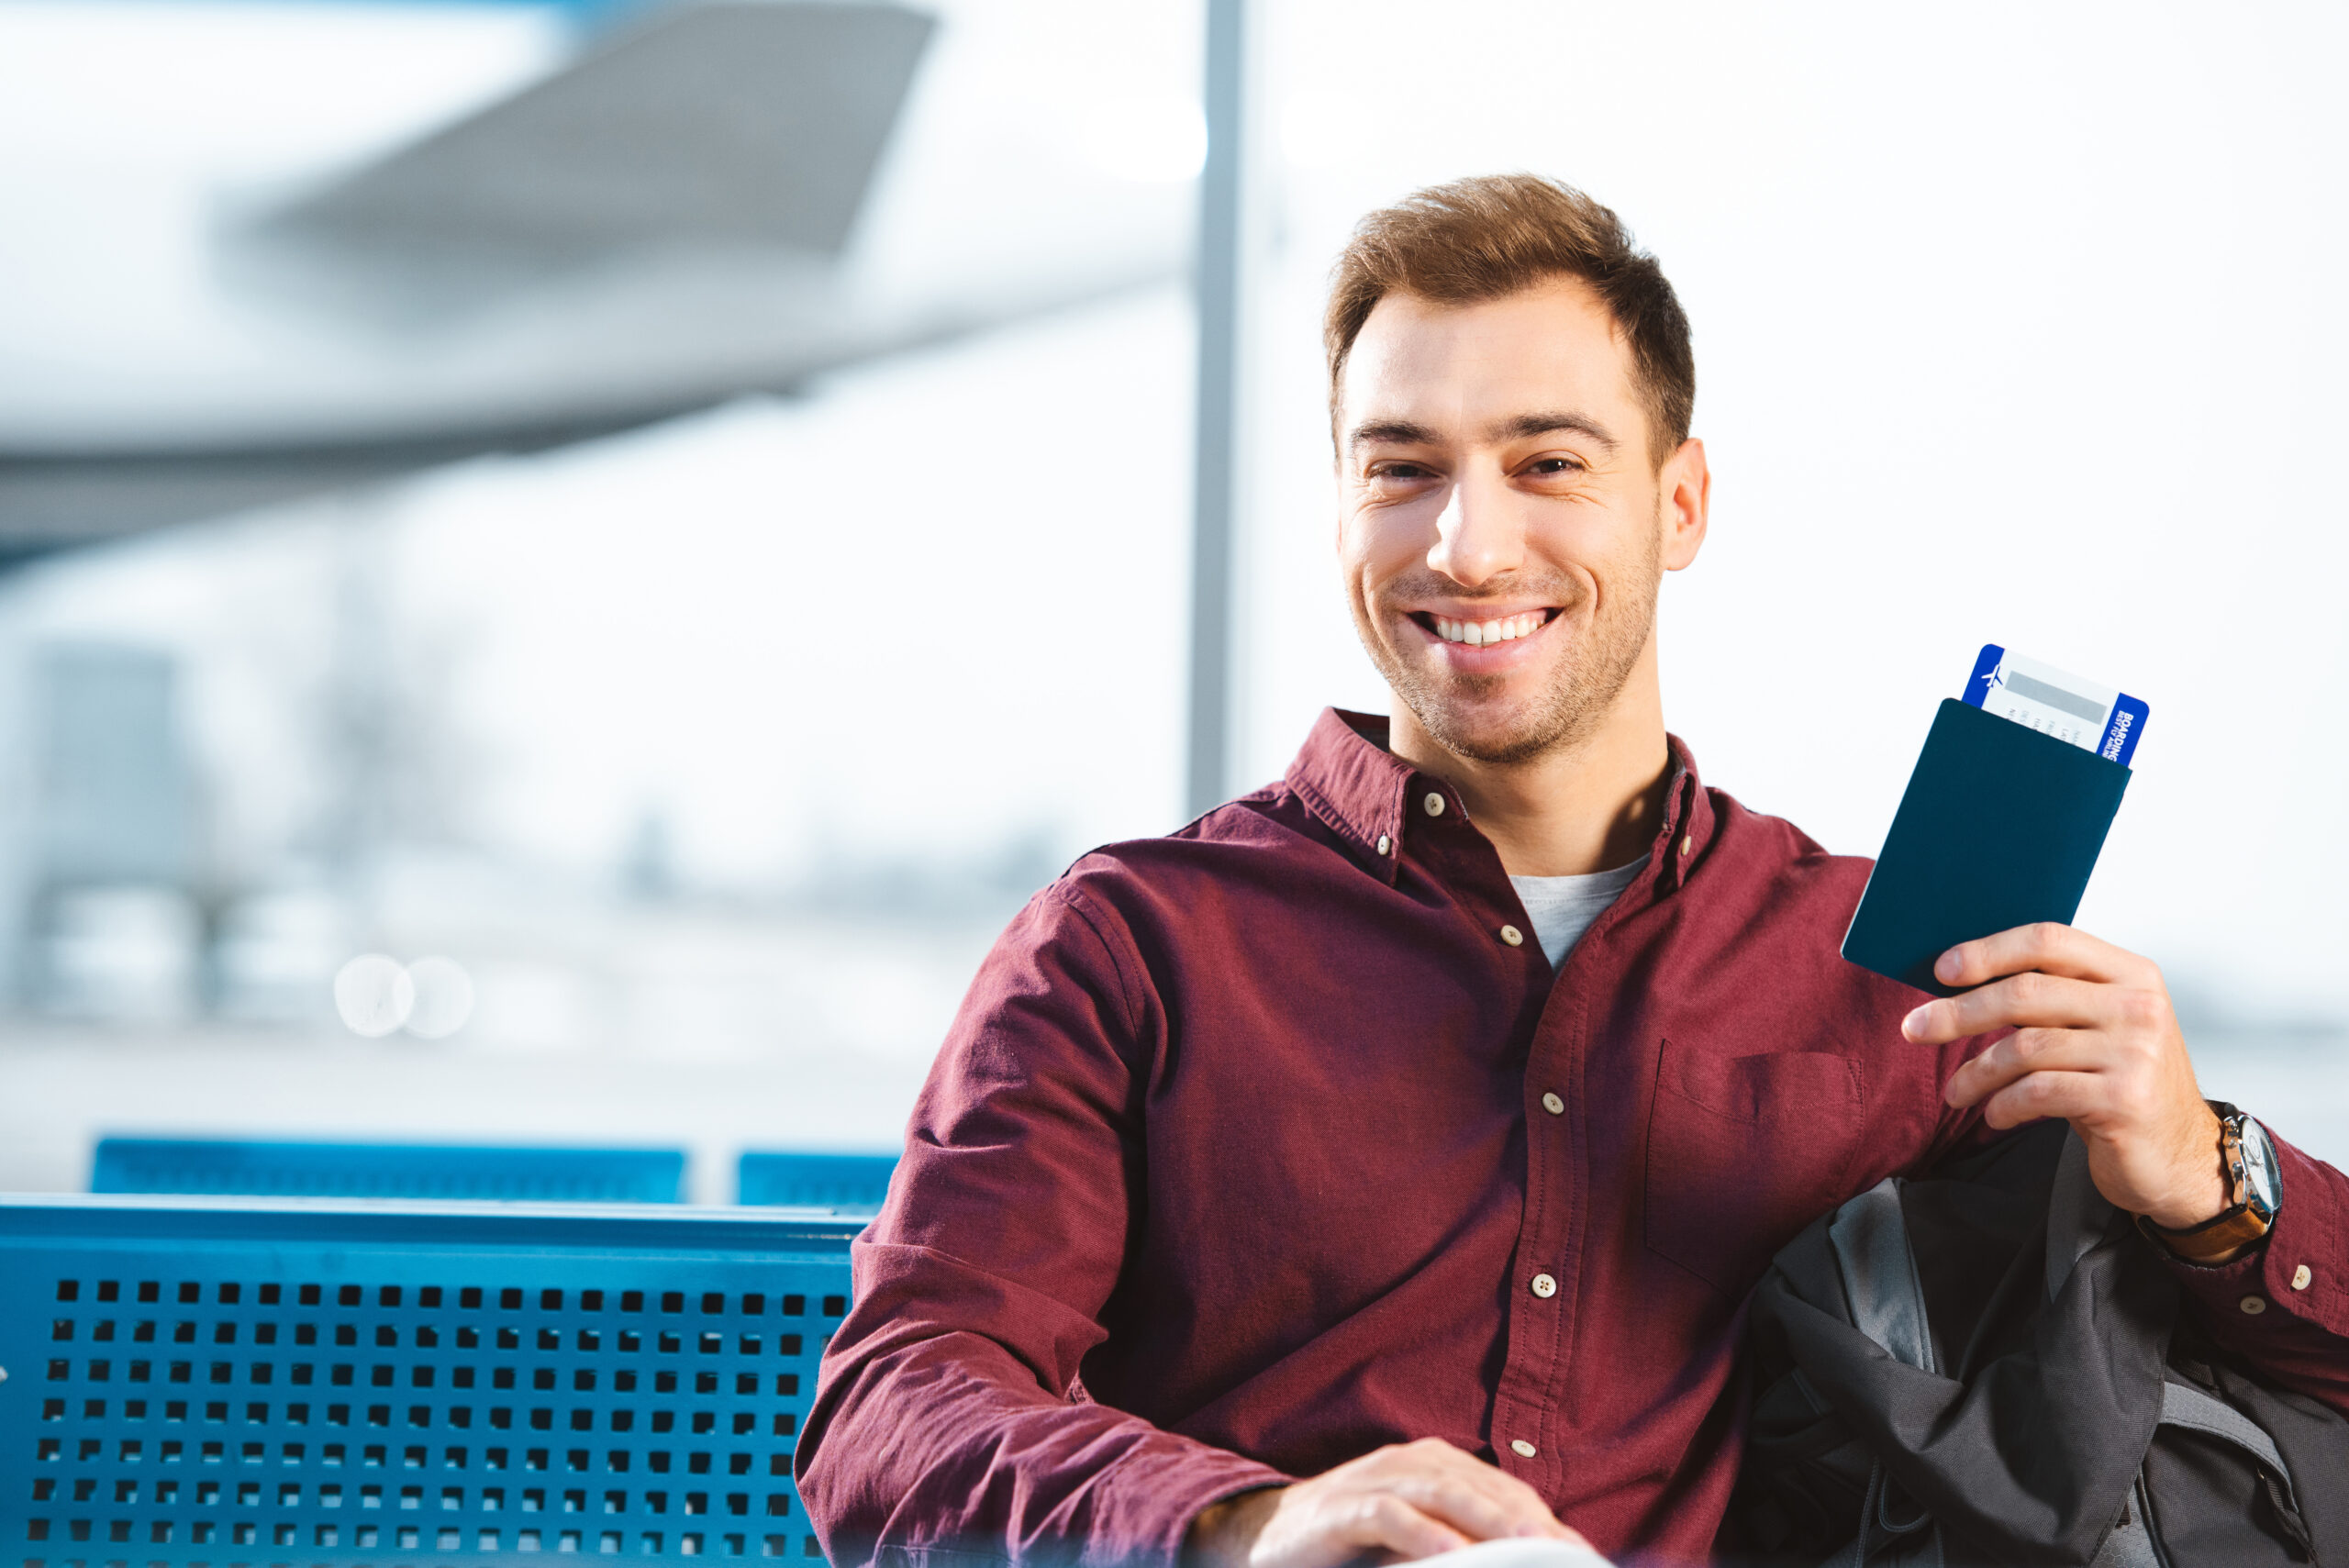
[(1484, 634)]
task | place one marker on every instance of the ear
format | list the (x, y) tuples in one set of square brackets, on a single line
[(1684, 499)]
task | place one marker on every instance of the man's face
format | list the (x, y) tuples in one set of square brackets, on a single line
[(1502, 525)]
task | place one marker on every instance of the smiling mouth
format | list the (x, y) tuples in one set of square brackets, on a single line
[(1484, 633)]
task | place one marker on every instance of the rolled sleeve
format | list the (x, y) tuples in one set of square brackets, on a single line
[(2283, 1306), (944, 1439), (950, 1421)]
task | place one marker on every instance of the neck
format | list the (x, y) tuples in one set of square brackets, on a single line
[(1586, 805)]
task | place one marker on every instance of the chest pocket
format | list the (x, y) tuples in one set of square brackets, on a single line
[(1746, 1151)]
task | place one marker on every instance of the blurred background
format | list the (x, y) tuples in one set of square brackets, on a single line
[(668, 521)]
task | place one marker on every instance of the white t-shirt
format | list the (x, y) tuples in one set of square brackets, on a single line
[(1561, 908)]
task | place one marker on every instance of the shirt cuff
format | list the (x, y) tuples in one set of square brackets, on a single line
[(1157, 1508), (2300, 1268)]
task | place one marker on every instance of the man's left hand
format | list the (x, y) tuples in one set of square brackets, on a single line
[(2096, 1044)]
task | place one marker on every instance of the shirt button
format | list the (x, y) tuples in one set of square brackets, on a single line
[(2253, 1306), (1553, 1104), (1688, 841), (1385, 843), (1512, 936), (1520, 1448), (2300, 1277), (1434, 804), (1545, 1287)]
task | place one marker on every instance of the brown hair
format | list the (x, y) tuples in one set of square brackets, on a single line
[(1488, 237)]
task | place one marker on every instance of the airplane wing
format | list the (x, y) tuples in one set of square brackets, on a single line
[(752, 123), (706, 203)]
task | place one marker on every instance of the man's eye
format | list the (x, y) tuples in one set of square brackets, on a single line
[(1556, 465), (1400, 471)]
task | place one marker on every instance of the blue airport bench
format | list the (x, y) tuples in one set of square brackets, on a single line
[(255, 1169), (853, 1184), (267, 1382)]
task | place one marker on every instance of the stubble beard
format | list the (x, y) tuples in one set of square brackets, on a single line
[(1585, 682)]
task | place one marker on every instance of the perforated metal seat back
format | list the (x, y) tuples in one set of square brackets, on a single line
[(268, 1169), (852, 1183), (231, 1382)]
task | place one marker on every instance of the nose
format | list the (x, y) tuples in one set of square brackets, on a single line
[(1479, 536)]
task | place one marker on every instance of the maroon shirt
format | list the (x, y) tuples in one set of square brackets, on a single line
[(1260, 1146)]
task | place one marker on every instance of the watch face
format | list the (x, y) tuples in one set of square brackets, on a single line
[(2259, 1168)]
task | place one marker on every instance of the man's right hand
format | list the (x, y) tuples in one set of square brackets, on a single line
[(1406, 1501)]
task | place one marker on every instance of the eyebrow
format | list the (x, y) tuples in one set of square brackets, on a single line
[(1526, 425), (1402, 432), (1392, 432)]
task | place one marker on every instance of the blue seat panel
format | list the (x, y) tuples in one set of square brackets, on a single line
[(853, 1184), (259, 1169), (228, 1380)]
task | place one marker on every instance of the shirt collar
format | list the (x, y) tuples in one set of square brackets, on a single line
[(1347, 778), (1690, 820)]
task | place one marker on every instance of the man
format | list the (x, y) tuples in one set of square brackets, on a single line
[(1379, 1165)]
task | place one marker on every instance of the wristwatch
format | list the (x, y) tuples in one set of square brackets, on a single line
[(2255, 1189)]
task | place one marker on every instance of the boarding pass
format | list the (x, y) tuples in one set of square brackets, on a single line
[(2055, 702)]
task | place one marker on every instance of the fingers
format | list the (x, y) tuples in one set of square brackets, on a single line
[(1321, 1530), (2021, 1001), (1407, 1501), (1457, 1506), (2046, 947), (2073, 1081), (1386, 1523), (1480, 1501), (2096, 1044), (2035, 1096), (2030, 1051)]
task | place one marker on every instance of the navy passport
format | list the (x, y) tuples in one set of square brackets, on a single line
[(2001, 827)]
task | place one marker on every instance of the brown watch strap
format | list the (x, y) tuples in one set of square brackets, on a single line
[(2214, 1238), (2233, 1228)]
